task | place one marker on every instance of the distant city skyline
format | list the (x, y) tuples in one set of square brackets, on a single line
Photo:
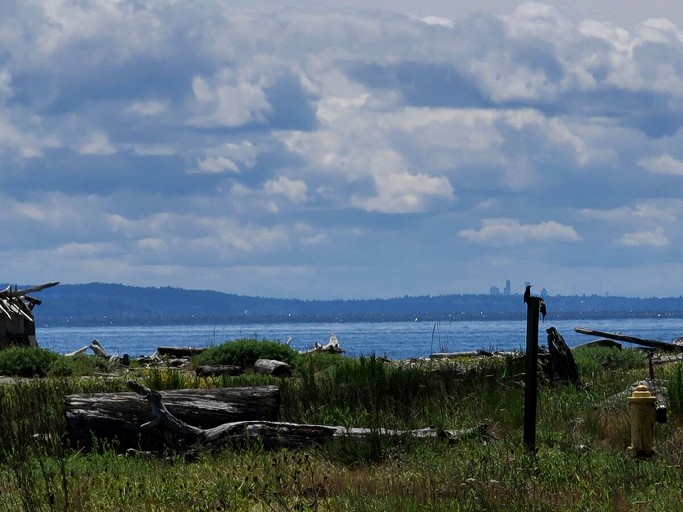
[(344, 149)]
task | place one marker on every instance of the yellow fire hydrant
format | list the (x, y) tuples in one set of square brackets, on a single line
[(642, 409)]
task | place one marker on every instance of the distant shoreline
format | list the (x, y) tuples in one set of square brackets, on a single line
[(129, 320)]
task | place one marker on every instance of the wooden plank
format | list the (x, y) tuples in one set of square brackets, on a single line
[(661, 345)]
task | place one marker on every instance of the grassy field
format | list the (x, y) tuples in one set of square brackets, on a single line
[(581, 462)]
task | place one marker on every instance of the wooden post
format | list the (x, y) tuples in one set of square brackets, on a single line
[(531, 374)]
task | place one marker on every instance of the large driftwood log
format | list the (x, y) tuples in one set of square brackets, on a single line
[(181, 436), (116, 417)]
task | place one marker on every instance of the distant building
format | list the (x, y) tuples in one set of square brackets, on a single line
[(494, 290), (544, 292), (506, 291)]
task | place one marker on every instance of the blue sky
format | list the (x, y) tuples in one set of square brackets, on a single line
[(343, 149)]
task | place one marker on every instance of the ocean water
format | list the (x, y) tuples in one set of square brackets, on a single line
[(395, 340)]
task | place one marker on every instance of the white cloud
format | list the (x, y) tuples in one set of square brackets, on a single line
[(215, 165), (664, 164), (294, 190), (148, 108), (502, 232), (437, 21), (229, 157), (402, 192), (97, 144), (655, 238), (641, 212), (228, 105)]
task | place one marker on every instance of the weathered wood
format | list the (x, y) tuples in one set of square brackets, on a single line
[(272, 367), (660, 345), (468, 353), (118, 416), (331, 347), (181, 436), (218, 370), (562, 363), (179, 351)]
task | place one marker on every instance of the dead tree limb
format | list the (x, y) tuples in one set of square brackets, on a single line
[(181, 436)]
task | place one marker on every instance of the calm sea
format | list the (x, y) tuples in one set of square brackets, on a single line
[(396, 340)]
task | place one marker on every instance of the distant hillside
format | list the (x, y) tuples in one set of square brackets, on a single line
[(102, 303)]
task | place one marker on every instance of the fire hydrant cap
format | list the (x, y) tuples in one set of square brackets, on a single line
[(641, 394)]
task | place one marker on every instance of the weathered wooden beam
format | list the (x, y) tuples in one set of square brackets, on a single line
[(661, 345)]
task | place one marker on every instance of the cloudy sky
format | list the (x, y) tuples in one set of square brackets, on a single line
[(343, 149)]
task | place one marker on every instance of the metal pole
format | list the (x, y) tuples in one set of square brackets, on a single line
[(531, 376)]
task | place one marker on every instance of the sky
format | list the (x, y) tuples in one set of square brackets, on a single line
[(344, 148)]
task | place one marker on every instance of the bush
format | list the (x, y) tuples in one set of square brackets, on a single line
[(37, 362), (590, 360), (26, 361), (246, 352)]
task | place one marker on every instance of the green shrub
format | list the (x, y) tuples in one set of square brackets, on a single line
[(590, 360), (26, 361), (36, 362), (246, 352)]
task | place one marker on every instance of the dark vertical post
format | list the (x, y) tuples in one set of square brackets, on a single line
[(531, 373)]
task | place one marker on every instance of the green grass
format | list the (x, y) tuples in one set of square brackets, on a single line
[(581, 462)]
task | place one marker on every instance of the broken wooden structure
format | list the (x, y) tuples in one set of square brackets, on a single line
[(17, 324)]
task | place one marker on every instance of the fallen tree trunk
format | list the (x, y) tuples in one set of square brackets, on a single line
[(116, 417), (660, 345), (182, 436)]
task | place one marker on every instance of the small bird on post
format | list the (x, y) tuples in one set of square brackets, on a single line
[(542, 309), (527, 293)]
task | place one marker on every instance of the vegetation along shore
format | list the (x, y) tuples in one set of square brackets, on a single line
[(581, 461)]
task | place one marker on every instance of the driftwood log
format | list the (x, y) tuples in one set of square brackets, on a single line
[(272, 367), (176, 352), (181, 436), (116, 417), (331, 347), (562, 363)]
